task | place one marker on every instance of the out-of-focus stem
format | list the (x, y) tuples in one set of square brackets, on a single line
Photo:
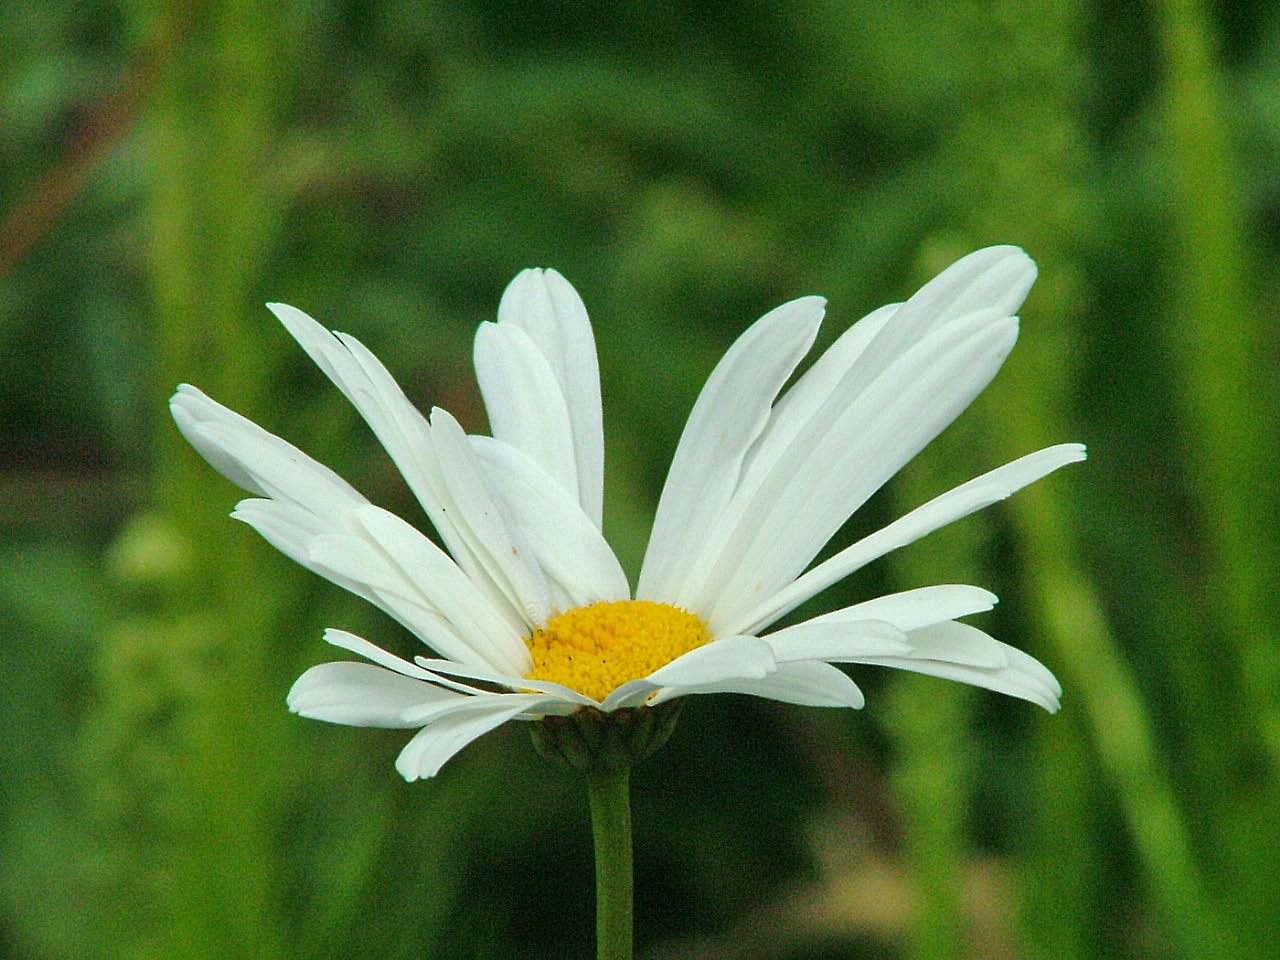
[(928, 721), (1224, 359)]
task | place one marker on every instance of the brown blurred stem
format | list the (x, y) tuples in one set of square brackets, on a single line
[(105, 124)]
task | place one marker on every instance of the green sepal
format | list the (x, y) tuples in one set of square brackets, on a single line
[(591, 740)]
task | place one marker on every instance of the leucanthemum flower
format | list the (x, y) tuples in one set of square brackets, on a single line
[(526, 609)]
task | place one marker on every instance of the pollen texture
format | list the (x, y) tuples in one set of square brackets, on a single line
[(597, 648)]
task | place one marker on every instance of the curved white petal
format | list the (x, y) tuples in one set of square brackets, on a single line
[(965, 499), (361, 695), (454, 669), (837, 641), (913, 609), (365, 382), (567, 545), (254, 459), (440, 585), (356, 563), (994, 278), (807, 682), (526, 406), (448, 733), (845, 454), (326, 547), (403, 432), (727, 658), (957, 651), (729, 414), (545, 306), (1006, 681), (807, 395), (502, 550), (746, 657), (374, 653)]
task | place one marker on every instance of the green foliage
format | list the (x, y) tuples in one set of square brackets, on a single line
[(165, 168)]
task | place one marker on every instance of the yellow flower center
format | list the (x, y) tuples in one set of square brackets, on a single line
[(597, 648)]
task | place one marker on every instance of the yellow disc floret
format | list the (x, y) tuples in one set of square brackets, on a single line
[(597, 648)]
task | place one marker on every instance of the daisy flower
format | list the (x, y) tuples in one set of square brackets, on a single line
[(526, 611)]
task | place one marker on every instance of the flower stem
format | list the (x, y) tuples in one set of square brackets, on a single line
[(611, 827)]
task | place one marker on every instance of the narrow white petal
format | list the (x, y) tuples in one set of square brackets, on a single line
[(357, 564), (454, 669), (190, 409), (995, 279), (254, 459), (913, 609), (351, 563), (362, 647), (846, 454), (728, 658), (838, 640), (957, 651), (549, 310), (399, 427), (965, 499), (361, 695), (502, 550), (442, 586), (1006, 681), (526, 405), (806, 397), (566, 543), (958, 643), (729, 415), (287, 527), (444, 737), (808, 683), (746, 657)]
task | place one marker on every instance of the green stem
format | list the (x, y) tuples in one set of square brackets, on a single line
[(611, 827)]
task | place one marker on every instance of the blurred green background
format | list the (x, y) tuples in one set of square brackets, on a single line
[(167, 168)]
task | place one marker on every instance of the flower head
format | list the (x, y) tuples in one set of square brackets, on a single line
[(526, 609)]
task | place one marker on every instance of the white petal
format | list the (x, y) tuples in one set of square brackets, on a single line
[(350, 562), (287, 527), (566, 543), (730, 413), (746, 657), (501, 549), (364, 381), (963, 644), (454, 669), (728, 658), (838, 640), (913, 609), (995, 279), (805, 398), (361, 695), (965, 499), (808, 683), (526, 406), (441, 586), (957, 651), (1006, 681), (355, 563), (254, 459), (958, 643), (441, 739), (361, 646), (549, 310), (847, 453), (399, 427)]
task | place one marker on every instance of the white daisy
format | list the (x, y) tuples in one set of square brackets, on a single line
[(527, 610)]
